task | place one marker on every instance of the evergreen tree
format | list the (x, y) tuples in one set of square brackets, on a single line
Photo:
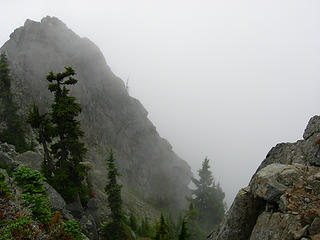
[(133, 223), (116, 229), (13, 130), (162, 232), (184, 235), (42, 123), (68, 150), (145, 229), (60, 127), (195, 231), (208, 198)]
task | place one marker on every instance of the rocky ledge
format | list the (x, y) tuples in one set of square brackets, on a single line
[(282, 200)]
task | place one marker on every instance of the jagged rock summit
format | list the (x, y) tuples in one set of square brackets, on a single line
[(151, 171), (282, 200)]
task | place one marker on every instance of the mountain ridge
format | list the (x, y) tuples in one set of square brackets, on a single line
[(152, 172)]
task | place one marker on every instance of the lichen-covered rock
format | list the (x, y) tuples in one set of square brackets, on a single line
[(264, 183), (276, 226)]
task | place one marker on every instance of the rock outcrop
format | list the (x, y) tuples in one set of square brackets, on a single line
[(282, 200), (151, 171)]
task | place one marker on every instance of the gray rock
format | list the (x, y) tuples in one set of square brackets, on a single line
[(7, 162), (31, 160), (240, 219), (315, 227), (276, 226), (312, 127), (9, 149), (265, 185), (93, 210), (87, 225), (76, 208), (56, 201)]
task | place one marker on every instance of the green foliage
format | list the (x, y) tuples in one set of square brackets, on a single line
[(39, 206), (34, 195), (42, 123), (30, 180), (184, 235), (14, 132), (20, 228), (59, 133), (145, 229), (162, 232), (113, 190), (195, 231), (116, 229), (5, 191), (208, 198), (72, 230), (133, 223)]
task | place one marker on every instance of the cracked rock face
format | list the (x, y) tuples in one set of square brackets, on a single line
[(110, 117), (287, 188)]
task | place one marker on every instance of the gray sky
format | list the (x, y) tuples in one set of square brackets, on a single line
[(226, 79)]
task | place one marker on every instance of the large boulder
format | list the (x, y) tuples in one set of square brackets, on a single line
[(282, 200), (7, 162), (31, 160), (241, 218), (276, 226)]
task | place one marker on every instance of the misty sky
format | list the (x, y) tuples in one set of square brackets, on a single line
[(227, 79)]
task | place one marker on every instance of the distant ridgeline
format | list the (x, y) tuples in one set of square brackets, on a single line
[(44, 114)]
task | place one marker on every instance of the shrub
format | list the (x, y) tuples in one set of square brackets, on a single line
[(20, 228), (5, 191)]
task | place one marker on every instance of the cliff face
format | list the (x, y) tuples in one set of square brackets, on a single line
[(151, 171), (282, 200)]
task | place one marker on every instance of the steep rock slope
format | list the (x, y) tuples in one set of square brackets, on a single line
[(151, 171), (282, 200)]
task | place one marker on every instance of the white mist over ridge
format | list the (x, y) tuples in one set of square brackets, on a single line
[(224, 79)]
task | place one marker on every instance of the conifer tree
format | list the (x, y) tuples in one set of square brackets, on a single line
[(42, 123), (184, 235), (133, 223), (195, 231), (116, 229), (13, 130), (208, 198), (61, 128), (145, 229), (162, 230)]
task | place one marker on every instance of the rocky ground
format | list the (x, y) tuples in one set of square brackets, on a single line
[(282, 200)]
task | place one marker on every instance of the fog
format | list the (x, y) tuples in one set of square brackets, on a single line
[(225, 79)]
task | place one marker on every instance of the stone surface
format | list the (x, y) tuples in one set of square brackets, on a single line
[(93, 210), (76, 208), (31, 160), (287, 183), (56, 201), (240, 219), (315, 227), (88, 226), (265, 184), (312, 127), (276, 226), (6, 161)]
